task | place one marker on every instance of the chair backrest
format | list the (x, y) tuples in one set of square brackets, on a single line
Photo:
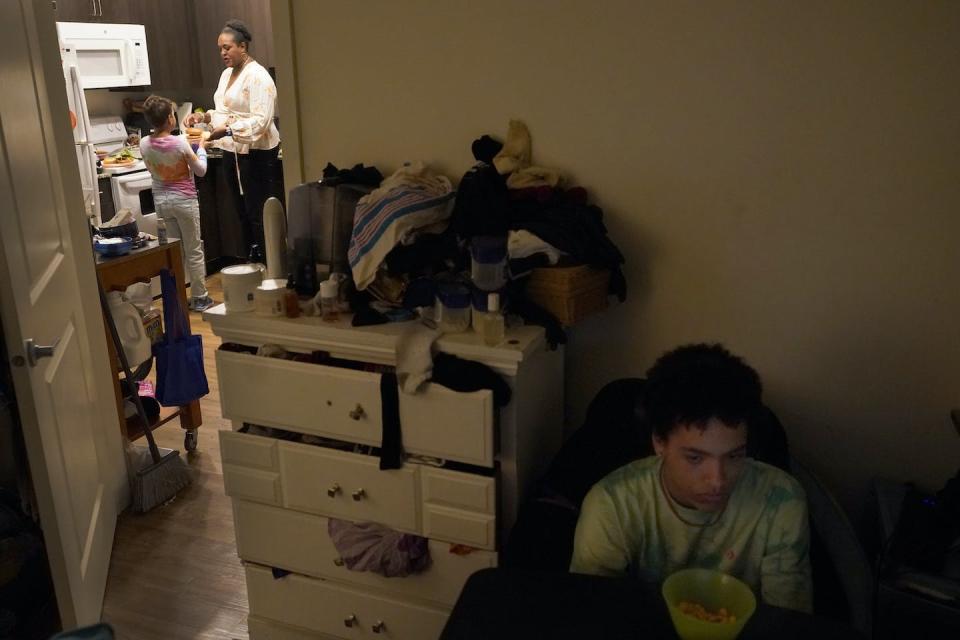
[(614, 433), (843, 580)]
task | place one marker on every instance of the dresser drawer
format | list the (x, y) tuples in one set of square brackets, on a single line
[(263, 629), (248, 451), (251, 484), (304, 397), (447, 424), (323, 607), (345, 404), (348, 486), (299, 542), (459, 490), (455, 525)]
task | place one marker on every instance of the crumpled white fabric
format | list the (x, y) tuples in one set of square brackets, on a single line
[(415, 357), (523, 244)]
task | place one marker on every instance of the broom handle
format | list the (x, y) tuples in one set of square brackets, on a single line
[(118, 347)]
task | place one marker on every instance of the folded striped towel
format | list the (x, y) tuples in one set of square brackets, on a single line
[(380, 224)]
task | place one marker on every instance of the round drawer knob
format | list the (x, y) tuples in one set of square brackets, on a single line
[(359, 495), (333, 491), (358, 412), (338, 562), (350, 620), (379, 627)]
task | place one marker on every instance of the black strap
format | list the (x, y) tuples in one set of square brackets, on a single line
[(391, 445)]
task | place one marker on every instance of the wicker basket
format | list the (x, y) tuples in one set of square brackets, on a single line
[(569, 293)]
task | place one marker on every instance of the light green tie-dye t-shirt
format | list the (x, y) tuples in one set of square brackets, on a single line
[(626, 527)]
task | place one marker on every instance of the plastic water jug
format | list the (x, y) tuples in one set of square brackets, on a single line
[(133, 337)]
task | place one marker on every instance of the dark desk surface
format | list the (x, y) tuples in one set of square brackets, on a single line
[(498, 604)]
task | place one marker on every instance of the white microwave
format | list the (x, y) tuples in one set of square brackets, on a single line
[(106, 55)]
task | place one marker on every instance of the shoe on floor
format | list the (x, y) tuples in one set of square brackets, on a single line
[(201, 304)]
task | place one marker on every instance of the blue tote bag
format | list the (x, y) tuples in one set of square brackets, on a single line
[(180, 375)]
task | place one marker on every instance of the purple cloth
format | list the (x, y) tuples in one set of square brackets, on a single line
[(368, 546)]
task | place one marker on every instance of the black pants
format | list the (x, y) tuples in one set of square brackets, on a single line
[(262, 177)]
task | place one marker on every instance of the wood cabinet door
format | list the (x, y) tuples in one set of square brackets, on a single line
[(115, 12), (75, 10), (212, 15), (171, 42)]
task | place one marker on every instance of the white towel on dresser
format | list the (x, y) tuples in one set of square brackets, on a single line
[(414, 356)]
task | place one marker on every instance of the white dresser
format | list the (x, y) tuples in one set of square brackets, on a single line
[(283, 491)]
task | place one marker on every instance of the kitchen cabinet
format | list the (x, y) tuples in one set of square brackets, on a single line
[(181, 35), (210, 18), (170, 42), (109, 11), (75, 10), (220, 215), (471, 465)]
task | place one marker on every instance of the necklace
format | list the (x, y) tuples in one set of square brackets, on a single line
[(673, 508), (237, 70)]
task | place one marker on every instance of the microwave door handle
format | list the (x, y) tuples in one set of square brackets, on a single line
[(130, 60)]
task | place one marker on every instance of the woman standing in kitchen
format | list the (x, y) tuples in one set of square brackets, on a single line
[(245, 103)]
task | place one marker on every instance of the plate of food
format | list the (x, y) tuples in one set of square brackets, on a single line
[(124, 158), (196, 136)]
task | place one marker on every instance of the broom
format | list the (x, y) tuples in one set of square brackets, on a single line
[(163, 476)]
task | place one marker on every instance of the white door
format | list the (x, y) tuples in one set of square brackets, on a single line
[(48, 295)]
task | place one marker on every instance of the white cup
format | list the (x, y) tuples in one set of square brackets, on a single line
[(239, 285), (268, 297)]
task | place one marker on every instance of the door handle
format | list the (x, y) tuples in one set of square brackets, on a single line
[(35, 351)]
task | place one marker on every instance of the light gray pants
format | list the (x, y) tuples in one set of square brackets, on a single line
[(182, 215)]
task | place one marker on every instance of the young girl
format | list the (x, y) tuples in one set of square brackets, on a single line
[(172, 165)]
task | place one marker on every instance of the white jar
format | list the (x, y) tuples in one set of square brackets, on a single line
[(269, 297), (239, 284)]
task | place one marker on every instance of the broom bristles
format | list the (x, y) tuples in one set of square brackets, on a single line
[(158, 483)]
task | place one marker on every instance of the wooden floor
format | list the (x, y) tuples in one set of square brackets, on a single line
[(175, 571)]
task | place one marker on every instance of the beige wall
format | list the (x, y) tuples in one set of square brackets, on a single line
[(783, 177)]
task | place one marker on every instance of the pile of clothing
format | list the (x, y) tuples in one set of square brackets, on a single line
[(414, 230)]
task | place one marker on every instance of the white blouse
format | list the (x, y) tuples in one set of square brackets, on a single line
[(247, 107)]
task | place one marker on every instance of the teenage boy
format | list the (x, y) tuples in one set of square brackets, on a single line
[(700, 502)]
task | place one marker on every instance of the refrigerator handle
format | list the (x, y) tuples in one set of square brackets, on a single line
[(84, 115), (89, 156)]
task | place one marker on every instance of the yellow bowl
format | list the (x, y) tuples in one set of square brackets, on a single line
[(713, 590)]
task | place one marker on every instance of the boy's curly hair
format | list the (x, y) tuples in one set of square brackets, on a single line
[(694, 383)]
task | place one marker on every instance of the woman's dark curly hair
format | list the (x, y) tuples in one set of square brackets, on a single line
[(239, 30), (697, 382)]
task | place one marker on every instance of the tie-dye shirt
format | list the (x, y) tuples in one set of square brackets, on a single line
[(626, 527), (172, 164)]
